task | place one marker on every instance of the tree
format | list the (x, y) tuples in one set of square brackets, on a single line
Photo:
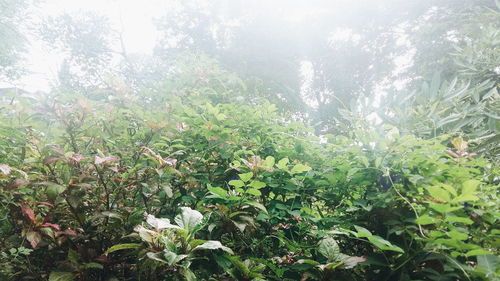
[(12, 40)]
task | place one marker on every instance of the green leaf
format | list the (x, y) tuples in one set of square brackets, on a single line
[(246, 176), (444, 208), (477, 252), (329, 248), (188, 219), (257, 184), (489, 263), (300, 168), (122, 247), (254, 191), (257, 205), (53, 190), (438, 193), (237, 183), (457, 235), (218, 191), (282, 164), (61, 276), (464, 198), (383, 244), (73, 256), (213, 245), (470, 186), (93, 265), (425, 219), (269, 162), (458, 219), (362, 232), (173, 258), (309, 261), (188, 274)]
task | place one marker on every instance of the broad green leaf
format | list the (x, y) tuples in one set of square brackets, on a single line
[(188, 219), (470, 186), (383, 244), (237, 183), (425, 219), (444, 208), (93, 265), (53, 190), (172, 258), (61, 276), (188, 274), (282, 164), (457, 235), (213, 245), (489, 263), (464, 198), (257, 205), (218, 191), (246, 176), (257, 184), (122, 247), (450, 189), (269, 162), (458, 219), (300, 168), (254, 191), (477, 252), (362, 232), (438, 193), (329, 248)]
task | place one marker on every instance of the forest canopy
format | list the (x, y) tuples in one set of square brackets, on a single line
[(253, 140)]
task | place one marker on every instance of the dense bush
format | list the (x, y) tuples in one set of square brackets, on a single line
[(91, 183)]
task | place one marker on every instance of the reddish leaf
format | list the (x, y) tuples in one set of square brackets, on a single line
[(102, 258), (29, 213), (51, 159), (57, 150), (69, 232), (351, 262), (76, 158), (5, 169), (53, 225), (106, 159), (34, 238), (45, 203), (114, 169)]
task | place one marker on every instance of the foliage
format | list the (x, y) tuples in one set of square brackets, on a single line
[(12, 41), (182, 169), (79, 172)]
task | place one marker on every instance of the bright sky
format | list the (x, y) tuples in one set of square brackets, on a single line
[(132, 17), (135, 20)]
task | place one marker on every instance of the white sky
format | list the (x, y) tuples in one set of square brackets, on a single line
[(132, 17), (135, 20)]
